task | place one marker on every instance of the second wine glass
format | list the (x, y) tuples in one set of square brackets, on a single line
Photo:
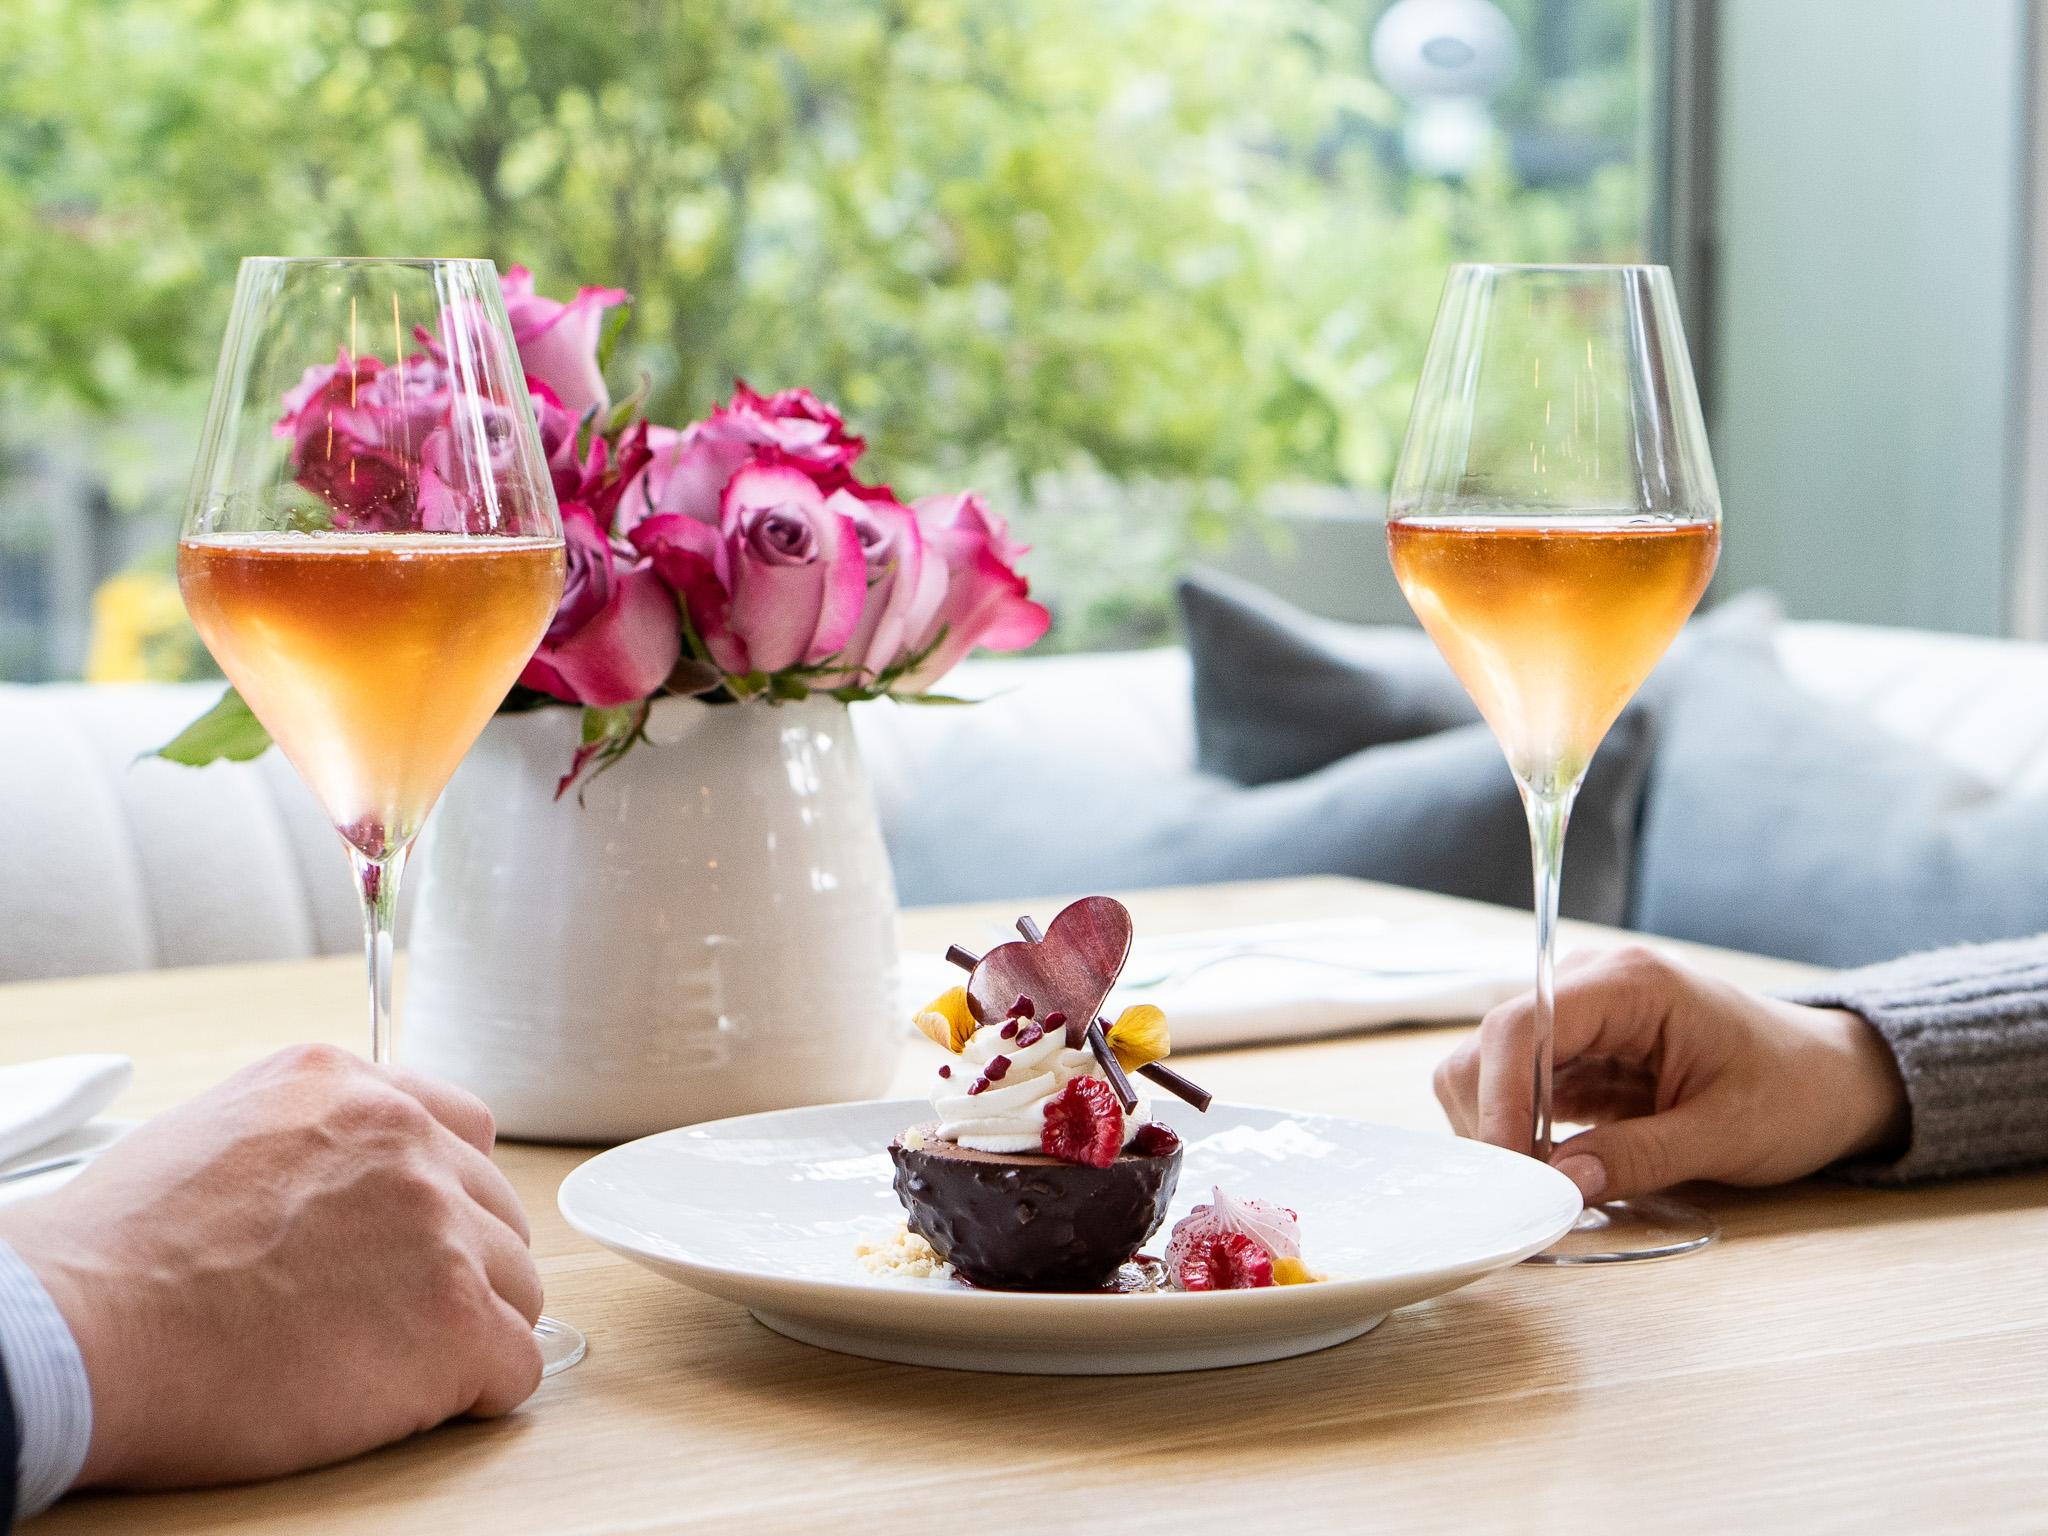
[(1553, 521)]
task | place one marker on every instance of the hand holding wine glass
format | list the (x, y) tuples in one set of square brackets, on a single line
[(372, 548), (1682, 1076), (1553, 521)]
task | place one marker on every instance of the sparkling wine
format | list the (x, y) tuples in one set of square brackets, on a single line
[(1552, 627), (372, 659)]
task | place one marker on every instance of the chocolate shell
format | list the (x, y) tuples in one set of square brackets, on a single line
[(1022, 1221)]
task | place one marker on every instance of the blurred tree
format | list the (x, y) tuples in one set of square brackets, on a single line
[(1168, 242)]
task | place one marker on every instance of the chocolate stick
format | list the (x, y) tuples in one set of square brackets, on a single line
[(1031, 930), (1177, 1085), (1112, 1069), (966, 959)]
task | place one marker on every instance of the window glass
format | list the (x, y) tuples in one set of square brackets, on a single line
[(1151, 274)]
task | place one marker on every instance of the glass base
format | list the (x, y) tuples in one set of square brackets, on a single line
[(560, 1346), (1647, 1227)]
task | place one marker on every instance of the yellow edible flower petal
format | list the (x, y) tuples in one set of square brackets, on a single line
[(948, 1020), (1291, 1272), (1139, 1036)]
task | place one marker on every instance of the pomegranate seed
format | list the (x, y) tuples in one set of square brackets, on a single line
[(979, 1084), (1023, 1008), (1155, 1140), (944, 1070), (997, 1067), (1030, 1034), (1055, 1019), (1009, 1030)]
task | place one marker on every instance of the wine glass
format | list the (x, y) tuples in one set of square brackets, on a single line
[(1553, 520), (372, 548)]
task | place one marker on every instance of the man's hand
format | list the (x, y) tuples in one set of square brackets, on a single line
[(312, 1259), (1683, 1077)]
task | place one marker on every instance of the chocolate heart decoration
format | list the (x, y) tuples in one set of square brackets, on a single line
[(1069, 971)]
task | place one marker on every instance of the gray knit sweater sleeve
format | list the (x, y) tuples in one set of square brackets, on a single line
[(1969, 1029)]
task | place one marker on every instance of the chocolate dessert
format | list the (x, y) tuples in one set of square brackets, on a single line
[(1042, 1170), (1027, 1221)]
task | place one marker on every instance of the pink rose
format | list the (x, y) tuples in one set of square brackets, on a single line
[(691, 467), (605, 480), (451, 496), (557, 341), (390, 449), (780, 583), (906, 581), (617, 633), (558, 426), (693, 559), (986, 603), (358, 433), (685, 478)]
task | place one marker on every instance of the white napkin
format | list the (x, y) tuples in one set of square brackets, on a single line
[(42, 1100), (1279, 981)]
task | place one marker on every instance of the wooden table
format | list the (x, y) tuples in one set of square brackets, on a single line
[(1841, 1360)]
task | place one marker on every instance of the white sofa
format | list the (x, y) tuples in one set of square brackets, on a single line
[(114, 864)]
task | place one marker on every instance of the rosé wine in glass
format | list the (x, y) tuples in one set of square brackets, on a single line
[(372, 659), (1552, 628)]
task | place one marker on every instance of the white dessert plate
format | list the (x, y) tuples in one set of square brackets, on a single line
[(766, 1211)]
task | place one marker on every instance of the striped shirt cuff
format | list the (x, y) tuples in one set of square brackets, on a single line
[(46, 1378)]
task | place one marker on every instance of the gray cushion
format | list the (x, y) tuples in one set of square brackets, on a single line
[(1440, 813), (1780, 823), (1355, 753), (1280, 693)]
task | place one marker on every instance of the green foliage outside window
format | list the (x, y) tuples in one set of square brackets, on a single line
[(1122, 264)]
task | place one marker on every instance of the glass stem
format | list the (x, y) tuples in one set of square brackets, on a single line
[(1548, 814), (377, 884)]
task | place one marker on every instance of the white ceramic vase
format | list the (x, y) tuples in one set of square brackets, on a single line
[(709, 930)]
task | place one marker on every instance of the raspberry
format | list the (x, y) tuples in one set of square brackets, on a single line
[(1083, 1123), (1233, 1245), (1155, 1140), (1230, 1262)]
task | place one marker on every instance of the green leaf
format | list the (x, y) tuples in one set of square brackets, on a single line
[(601, 724), (623, 414), (608, 735), (228, 730), (782, 687), (931, 698), (614, 322)]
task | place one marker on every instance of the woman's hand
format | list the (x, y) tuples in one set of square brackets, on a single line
[(1681, 1076)]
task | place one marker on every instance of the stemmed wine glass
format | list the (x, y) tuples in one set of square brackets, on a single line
[(372, 548), (1553, 520)]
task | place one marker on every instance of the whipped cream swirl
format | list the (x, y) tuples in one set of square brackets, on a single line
[(1009, 1114)]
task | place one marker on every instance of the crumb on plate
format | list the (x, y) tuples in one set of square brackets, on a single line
[(902, 1255)]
